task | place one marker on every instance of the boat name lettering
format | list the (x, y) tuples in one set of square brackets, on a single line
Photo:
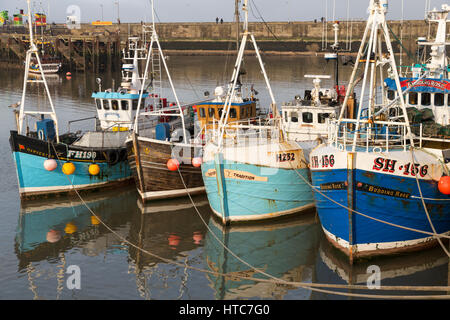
[(38, 153), (239, 175), (361, 186), (389, 165), (81, 154), (334, 186)]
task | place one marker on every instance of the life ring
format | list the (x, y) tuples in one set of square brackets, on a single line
[(112, 156)]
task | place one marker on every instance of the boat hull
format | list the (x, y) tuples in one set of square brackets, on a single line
[(253, 192), (379, 194), (153, 179), (34, 181)]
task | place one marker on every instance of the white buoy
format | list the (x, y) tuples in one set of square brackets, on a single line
[(50, 164)]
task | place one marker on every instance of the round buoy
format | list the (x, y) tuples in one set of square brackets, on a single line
[(68, 74), (53, 236), (94, 169), (68, 77), (50, 164), (70, 228), (95, 221), (174, 240), (173, 164), (197, 162), (444, 185), (198, 237), (68, 168)]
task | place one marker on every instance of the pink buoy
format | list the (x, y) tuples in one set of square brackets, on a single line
[(50, 164), (197, 237), (197, 162), (53, 236), (174, 240)]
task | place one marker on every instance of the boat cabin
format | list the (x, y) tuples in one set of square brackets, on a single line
[(116, 110), (307, 123), (427, 93), (240, 109)]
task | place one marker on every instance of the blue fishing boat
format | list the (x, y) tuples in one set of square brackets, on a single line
[(250, 170), (48, 163), (377, 185)]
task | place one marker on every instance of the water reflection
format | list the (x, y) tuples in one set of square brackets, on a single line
[(425, 268), (46, 229), (171, 229), (285, 249)]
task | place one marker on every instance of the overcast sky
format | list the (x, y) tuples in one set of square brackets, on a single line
[(208, 10)]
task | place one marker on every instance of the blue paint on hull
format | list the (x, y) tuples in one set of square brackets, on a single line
[(32, 174), (408, 212), (284, 191)]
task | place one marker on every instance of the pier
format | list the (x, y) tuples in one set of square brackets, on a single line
[(94, 47)]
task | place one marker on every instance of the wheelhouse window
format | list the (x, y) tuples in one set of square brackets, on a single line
[(322, 117), (391, 95), (233, 113), (307, 117), (115, 104), (124, 104), (202, 112), (98, 102), (105, 104), (413, 97), (425, 99), (211, 112), (135, 104), (220, 112), (439, 99), (294, 117), (244, 112)]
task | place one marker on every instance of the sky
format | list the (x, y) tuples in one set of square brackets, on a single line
[(208, 10)]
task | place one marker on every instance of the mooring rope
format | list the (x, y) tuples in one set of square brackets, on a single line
[(317, 287), (425, 206)]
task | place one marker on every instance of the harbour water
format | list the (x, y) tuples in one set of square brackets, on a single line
[(171, 249)]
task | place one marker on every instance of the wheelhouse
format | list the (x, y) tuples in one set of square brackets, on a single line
[(209, 112), (116, 111)]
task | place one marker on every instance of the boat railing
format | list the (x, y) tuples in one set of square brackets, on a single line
[(258, 128), (79, 120), (371, 135)]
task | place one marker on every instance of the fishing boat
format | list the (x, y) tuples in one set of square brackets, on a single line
[(48, 163), (306, 119), (250, 171), (162, 160), (49, 66), (378, 189)]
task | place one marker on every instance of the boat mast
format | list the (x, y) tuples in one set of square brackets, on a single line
[(154, 39), (34, 51), (377, 26), (234, 78), (236, 14)]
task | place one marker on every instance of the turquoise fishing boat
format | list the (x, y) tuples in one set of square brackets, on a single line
[(251, 171)]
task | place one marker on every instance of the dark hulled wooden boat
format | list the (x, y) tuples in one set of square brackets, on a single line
[(153, 178)]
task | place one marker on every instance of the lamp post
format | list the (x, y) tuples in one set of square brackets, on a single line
[(118, 11)]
